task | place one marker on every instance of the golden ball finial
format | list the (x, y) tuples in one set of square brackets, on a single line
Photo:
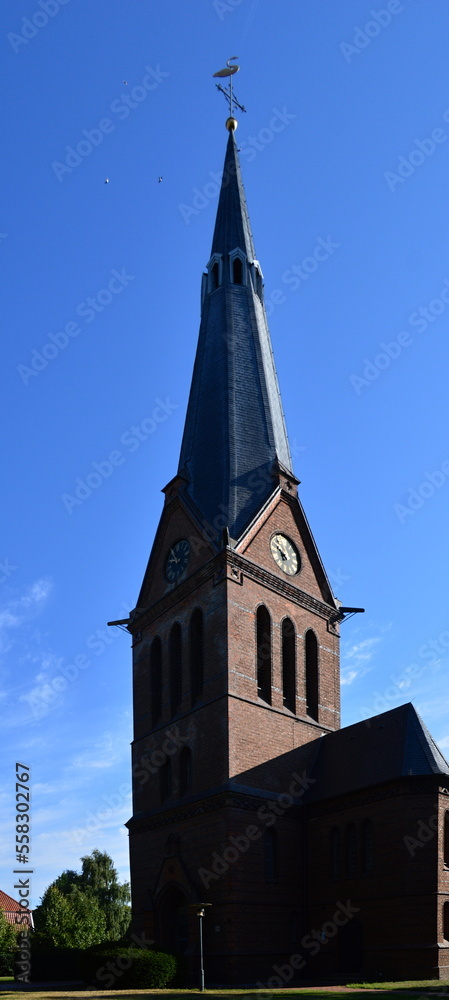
[(231, 124)]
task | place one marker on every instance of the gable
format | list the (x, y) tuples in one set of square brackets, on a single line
[(178, 524), (284, 515)]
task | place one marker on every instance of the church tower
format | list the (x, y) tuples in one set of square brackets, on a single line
[(235, 643)]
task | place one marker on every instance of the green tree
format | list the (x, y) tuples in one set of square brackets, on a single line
[(83, 908), (69, 921), (7, 934), (99, 879)]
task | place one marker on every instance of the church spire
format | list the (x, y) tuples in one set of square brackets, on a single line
[(235, 439)]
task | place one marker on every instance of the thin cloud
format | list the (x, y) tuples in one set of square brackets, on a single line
[(359, 656)]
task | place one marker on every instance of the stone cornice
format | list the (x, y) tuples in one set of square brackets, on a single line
[(230, 565)]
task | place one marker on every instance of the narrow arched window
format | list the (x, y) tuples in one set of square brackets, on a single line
[(166, 780), (367, 846), (294, 928), (237, 271), (446, 921), (156, 680), (263, 643), (196, 655), (351, 850), (271, 855), (175, 667), (185, 770), (288, 664), (446, 840), (215, 276), (335, 853), (312, 675)]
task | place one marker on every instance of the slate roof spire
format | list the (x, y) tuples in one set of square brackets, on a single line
[(235, 438)]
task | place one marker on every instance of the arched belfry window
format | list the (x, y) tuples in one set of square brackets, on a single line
[(166, 780), (185, 770), (367, 846), (257, 279), (288, 664), (312, 675), (351, 850), (196, 655), (156, 680), (215, 273), (175, 667), (335, 853), (271, 855), (214, 270), (446, 839), (446, 921), (237, 271), (263, 644)]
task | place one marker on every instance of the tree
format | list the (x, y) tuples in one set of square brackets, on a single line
[(8, 939), (83, 908), (69, 921), (99, 880)]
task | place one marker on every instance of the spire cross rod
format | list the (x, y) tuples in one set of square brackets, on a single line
[(229, 71)]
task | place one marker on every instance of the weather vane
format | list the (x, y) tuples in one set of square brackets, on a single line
[(228, 91)]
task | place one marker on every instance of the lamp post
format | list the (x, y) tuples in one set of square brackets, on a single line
[(200, 910)]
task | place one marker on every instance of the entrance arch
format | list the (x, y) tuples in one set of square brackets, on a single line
[(172, 920)]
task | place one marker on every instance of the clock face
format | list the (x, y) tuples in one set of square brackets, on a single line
[(285, 554), (177, 560)]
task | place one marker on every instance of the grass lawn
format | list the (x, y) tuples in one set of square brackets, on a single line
[(424, 988), (326, 994)]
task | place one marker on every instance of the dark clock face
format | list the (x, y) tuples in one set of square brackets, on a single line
[(285, 554), (177, 560)]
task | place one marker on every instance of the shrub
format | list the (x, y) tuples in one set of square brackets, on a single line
[(128, 968), (6, 963)]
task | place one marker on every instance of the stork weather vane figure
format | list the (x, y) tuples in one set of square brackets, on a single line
[(228, 92)]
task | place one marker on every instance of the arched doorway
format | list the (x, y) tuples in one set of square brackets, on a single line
[(172, 920), (350, 947)]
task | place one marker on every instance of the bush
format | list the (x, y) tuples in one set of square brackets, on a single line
[(6, 963), (127, 968)]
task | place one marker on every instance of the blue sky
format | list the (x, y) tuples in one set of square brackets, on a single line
[(345, 141)]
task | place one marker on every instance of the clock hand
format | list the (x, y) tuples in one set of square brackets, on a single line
[(280, 550)]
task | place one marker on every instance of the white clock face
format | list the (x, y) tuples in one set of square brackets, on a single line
[(285, 554)]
